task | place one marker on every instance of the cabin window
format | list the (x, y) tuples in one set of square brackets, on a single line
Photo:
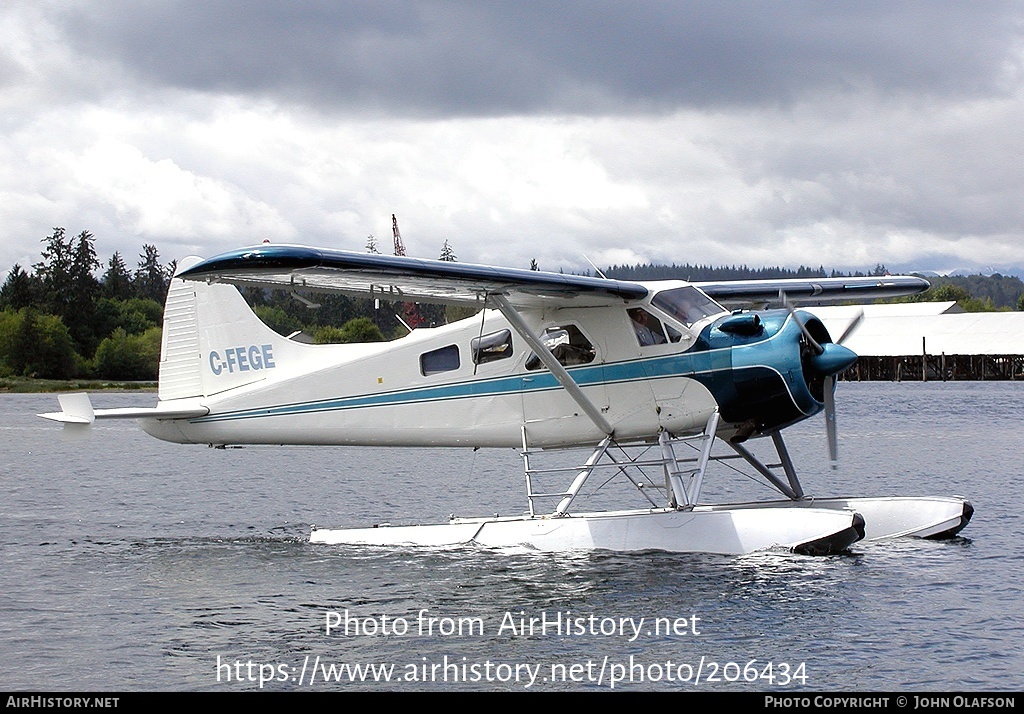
[(445, 359), (568, 345), (688, 305), (492, 347)]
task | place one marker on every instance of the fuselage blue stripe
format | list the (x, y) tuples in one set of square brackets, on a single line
[(687, 364)]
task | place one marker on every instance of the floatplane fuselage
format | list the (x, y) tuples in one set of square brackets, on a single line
[(548, 361)]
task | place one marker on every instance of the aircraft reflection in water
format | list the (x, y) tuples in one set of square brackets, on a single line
[(551, 361)]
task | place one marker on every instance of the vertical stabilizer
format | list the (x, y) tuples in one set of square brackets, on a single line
[(213, 341)]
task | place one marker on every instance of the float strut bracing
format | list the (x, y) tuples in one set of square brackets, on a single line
[(683, 477)]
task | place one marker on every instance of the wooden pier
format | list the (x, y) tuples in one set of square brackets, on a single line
[(936, 368)]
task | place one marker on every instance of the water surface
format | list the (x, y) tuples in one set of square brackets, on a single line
[(130, 564)]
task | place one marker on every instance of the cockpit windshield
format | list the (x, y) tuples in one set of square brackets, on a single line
[(688, 305)]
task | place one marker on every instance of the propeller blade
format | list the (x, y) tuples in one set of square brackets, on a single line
[(818, 349), (852, 327), (830, 420)]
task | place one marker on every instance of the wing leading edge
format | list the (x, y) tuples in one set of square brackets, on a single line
[(823, 289), (388, 277), (403, 278)]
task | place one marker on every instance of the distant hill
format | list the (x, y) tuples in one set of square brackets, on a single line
[(963, 273), (1004, 291)]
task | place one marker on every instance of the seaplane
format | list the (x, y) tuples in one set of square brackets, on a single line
[(645, 380)]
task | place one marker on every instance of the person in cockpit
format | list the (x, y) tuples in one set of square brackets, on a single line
[(641, 322)]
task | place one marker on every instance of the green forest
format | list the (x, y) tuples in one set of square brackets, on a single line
[(71, 316)]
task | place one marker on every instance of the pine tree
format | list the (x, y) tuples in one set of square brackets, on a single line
[(85, 291), (85, 288), (151, 279), (19, 289), (117, 281), (54, 273), (69, 289), (447, 254)]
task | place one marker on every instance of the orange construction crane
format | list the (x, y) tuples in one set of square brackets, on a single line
[(399, 246), (410, 310)]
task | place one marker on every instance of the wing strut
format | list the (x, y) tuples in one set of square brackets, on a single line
[(559, 372)]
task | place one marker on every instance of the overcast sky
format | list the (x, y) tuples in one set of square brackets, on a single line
[(841, 134)]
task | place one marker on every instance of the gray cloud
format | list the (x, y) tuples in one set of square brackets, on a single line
[(448, 58), (842, 134)]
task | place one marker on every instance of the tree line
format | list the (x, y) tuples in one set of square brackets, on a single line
[(58, 320), (974, 293)]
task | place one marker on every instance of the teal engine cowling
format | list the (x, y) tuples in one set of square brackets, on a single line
[(777, 371)]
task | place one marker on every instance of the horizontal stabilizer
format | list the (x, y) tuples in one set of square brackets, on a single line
[(77, 409)]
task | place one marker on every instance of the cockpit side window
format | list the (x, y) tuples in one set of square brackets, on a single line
[(648, 328), (688, 305), (568, 344)]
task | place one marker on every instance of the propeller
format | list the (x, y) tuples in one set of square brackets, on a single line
[(831, 430), (852, 327), (830, 397), (829, 359), (813, 343)]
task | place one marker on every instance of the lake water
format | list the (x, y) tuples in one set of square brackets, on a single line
[(134, 565)]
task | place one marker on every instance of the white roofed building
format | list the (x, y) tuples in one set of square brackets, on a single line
[(928, 340)]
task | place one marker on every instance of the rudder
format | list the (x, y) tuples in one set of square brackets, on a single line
[(180, 375)]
